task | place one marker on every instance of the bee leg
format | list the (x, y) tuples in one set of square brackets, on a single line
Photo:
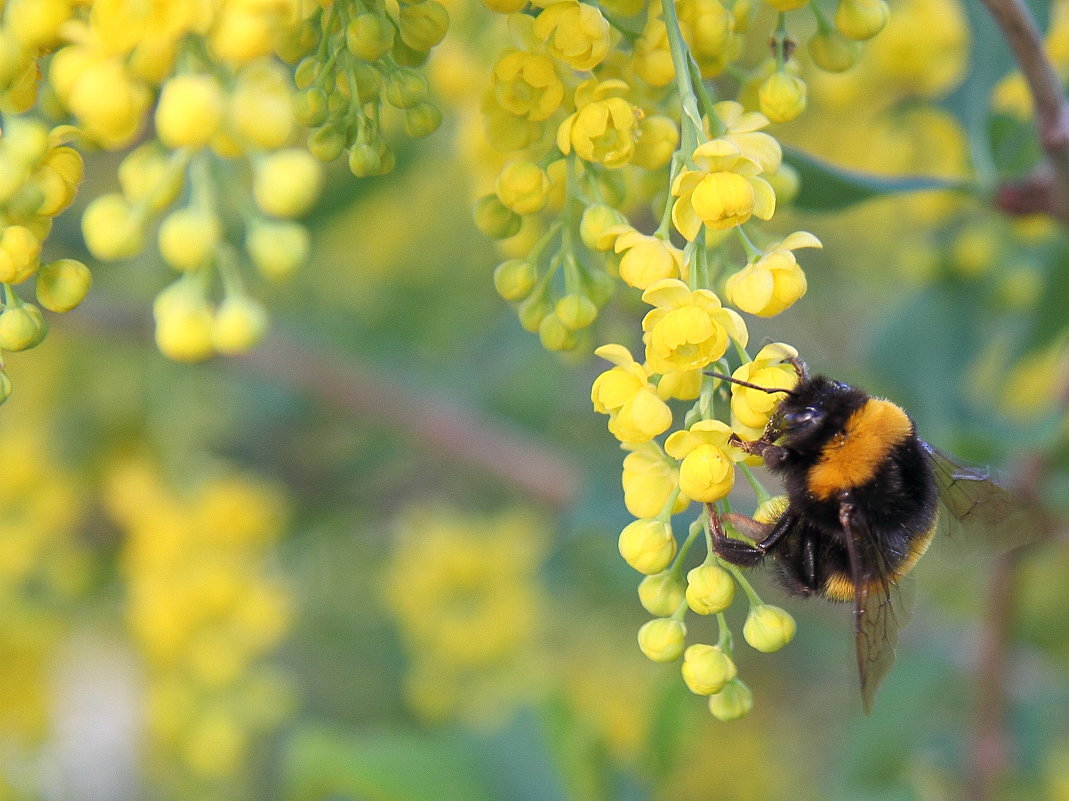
[(745, 554), (769, 453)]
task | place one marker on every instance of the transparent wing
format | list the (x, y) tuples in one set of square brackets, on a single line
[(881, 606), (973, 499)]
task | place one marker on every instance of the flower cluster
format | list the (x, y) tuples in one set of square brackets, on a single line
[(206, 611), (464, 593)]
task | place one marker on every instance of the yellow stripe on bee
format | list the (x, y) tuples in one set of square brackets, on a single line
[(840, 587), (853, 456)]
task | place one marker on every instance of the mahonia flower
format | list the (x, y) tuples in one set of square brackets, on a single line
[(687, 329), (706, 668), (648, 545), (680, 384), (768, 628), (646, 259), (773, 282), (662, 639), (708, 27), (707, 471), (604, 126), (575, 33), (782, 96), (752, 408), (652, 59), (624, 393), (649, 479), (726, 191), (526, 85), (710, 589), (658, 139), (743, 129)]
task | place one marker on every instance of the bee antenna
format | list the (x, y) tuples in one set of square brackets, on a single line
[(769, 390)]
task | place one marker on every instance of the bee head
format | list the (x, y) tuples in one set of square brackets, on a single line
[(812, 413)]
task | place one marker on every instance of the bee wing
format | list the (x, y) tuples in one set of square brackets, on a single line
[(972, 498), (881, 606)]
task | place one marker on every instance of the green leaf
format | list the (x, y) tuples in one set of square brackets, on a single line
[(385, 766), (826, 187)]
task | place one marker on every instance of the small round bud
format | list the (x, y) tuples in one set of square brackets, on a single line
[(554, 334), (183, 324), (660, 594), (494, 219), (307, 72), (326, 143), (861, 19), (648, 545), (768, 628), (514, 279), (239, 323), (63, 284), (310, 107), (278, 248), (662, 639), (20, 250), (111, 228), (523, 187), (190, 111), (531, 311), (287, 182), (188, 237), (369, 36), (710, 589), (146, 174), (658, 138), (367, 82), (595, 227), (364, 160), (576, 311), (406, 87), (732, 702), (422, 120), (21, 327), (706, 668), (423, 25), (832, 52), (782, 96)]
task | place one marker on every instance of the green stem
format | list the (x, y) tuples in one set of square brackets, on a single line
[(763, 495), (751, 593), (752, 251), (691, 129)]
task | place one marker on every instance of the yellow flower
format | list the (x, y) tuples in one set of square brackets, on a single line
[(190, 110), (649, 479), (624, 393), (658, 138), (681, 385), (782, 96), (707, 471), (752, 408), (743, 129), (575, 33), (646, 259), (526, 84), (774, 282), (604, 126), (600, 225), (652, 60), (726, 191), (523, 187), (708, 27), (687, 330)]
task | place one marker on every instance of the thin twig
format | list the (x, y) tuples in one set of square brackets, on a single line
[(1048, 188), (427, 417)]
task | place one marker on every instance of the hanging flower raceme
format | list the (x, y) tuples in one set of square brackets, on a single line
[(624, 393), (604, 127), (773, 282), (687, 329)]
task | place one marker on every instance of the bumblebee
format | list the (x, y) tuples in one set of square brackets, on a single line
[(865, 497)]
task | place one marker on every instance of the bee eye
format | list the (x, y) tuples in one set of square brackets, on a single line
[(801, 418)]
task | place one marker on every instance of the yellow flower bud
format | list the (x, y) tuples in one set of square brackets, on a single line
[(648, 481), (277, 248), (422, 120), (832, 52), (658, 138), (146, 174), (706, 474), (260, 109), (494, 219), (660, 594), (287, 182), (706, 668), (189, 236), (369, 36), (190, 110), (732, 702), (575, 33), (710, 589), (576, 311), (647, 545), (183, 324), (531, 311), (239, 323), (423, 25), (768, 628), (782, 96), (662, 639), (310, 107), (328, 142), (20, 250), (861, 19), (406, 87), (514, 279), (523, 187), (21, 327), (600, 225), (63, 284), (554, 334), (111, 228)]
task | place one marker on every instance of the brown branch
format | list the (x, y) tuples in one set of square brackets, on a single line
[(419, 412), (1048, 189)]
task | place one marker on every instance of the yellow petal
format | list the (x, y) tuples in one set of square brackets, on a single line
[(617, 354), (764, 198), (668, 293), (797, 240)]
